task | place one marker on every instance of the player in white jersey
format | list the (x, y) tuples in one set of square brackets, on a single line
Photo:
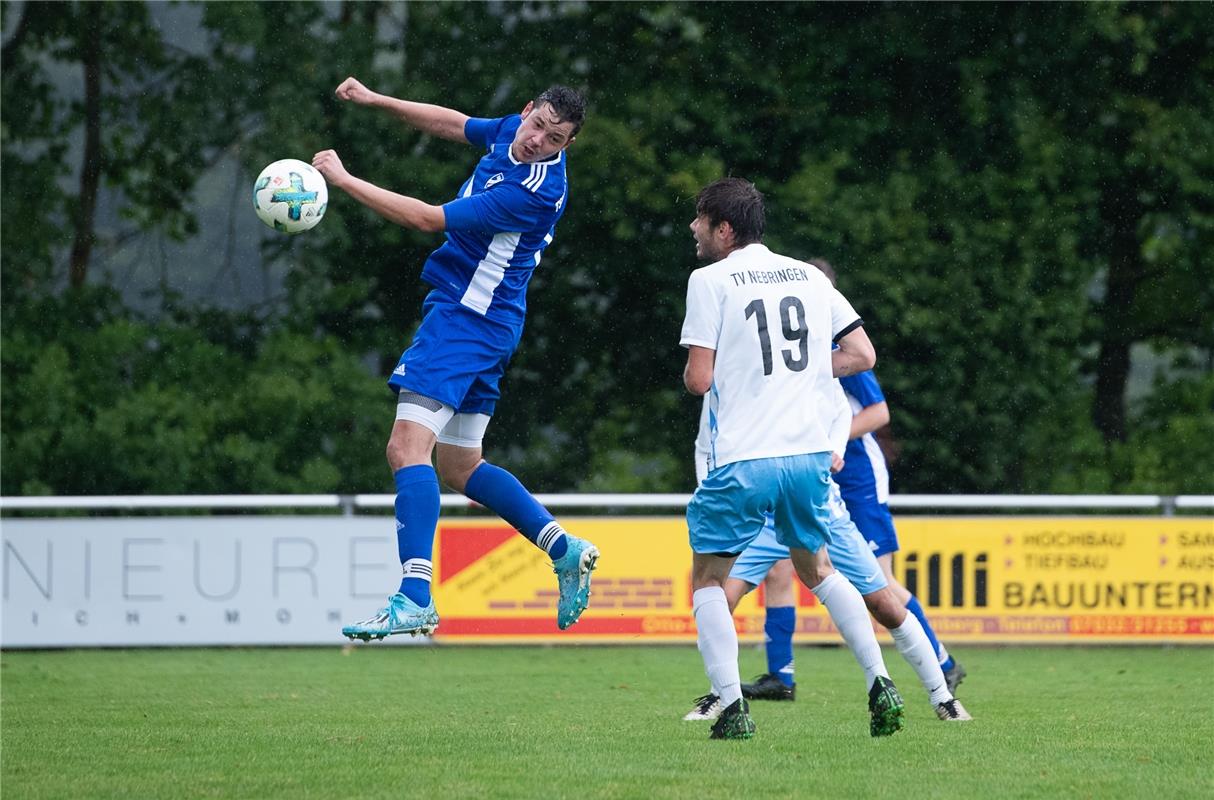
[(758, 331), (850, 554)]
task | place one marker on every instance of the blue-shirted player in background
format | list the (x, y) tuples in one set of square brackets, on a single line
[(864, 485), (503, 217)]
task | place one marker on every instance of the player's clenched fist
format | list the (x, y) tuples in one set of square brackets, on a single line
[(329, 165), (352, 89)]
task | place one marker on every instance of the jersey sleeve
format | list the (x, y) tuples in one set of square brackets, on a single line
[(702, 324), (864, 388), (482, 132), (843, 318), (507, 207)]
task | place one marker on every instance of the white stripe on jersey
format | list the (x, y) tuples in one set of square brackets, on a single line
[(880, 471), (538, 173), (490, 272)]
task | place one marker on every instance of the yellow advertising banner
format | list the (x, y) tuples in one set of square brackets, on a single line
[(982, 580)]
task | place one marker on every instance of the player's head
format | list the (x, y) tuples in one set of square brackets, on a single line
[(550, 123), (825, 268), (729, 215)]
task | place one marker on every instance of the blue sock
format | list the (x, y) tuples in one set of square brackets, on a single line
[(417, 503), (778, 628), (500, 492), (946, 661)]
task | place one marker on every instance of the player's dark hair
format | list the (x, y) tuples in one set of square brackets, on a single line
[(737, 202), (569, 105), (826, 269)]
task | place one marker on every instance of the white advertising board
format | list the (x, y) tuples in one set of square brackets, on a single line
[(252, 580)]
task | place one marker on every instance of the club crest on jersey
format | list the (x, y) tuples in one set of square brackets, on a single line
[(495, 179)]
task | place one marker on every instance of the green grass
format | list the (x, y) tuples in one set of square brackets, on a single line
[(585, 722)]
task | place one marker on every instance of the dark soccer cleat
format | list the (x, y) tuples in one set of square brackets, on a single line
[(954, 676), (734, 722), (707, 707), (885, 708), (768, 686), (952, 711)]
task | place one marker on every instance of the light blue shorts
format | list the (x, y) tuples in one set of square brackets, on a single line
[(731, 506), (847, 549)]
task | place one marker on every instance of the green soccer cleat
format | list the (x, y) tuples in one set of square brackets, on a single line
[(401, 615), (573, 578), (885, 708), (734, 722)]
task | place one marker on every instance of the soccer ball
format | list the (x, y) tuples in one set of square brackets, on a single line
[(290, 196)]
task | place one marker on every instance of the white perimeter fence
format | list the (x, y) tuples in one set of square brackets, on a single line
[(1166, 505)]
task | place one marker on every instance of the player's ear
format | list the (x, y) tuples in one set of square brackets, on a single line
[(527, 109), (571, 141)]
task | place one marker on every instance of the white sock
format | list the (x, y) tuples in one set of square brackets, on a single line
[(718, 642), (850, 615), (916, 648), (549, 536)]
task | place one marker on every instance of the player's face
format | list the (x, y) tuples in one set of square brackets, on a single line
[(708, 244), (541, 136)]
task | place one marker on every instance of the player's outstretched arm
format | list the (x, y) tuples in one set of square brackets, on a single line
[(445, 123), (408, 212), (854, 355)]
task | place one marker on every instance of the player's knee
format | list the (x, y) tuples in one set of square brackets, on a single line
[(453, 475), (885, 608), (395, 454), (407, 448), (781, 574)]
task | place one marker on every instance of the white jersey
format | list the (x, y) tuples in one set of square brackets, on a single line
[(836, 417), (771, 320)]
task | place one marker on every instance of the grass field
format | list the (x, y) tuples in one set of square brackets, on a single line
[(583, 722)]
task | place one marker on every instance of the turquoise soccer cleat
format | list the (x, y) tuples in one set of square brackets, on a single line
[(401, 615), (573, 578)]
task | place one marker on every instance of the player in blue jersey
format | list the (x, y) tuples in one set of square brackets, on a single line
[(864, 485), (497, 227)]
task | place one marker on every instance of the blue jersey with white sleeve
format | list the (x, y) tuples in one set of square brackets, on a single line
[(498, 226), (864, 479)]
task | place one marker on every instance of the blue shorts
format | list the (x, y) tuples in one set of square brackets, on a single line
[(730, 507), (847, 550), (876, 525), (457, 357)]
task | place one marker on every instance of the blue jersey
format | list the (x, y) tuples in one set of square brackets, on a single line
[(864, 479), (498, 226)]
